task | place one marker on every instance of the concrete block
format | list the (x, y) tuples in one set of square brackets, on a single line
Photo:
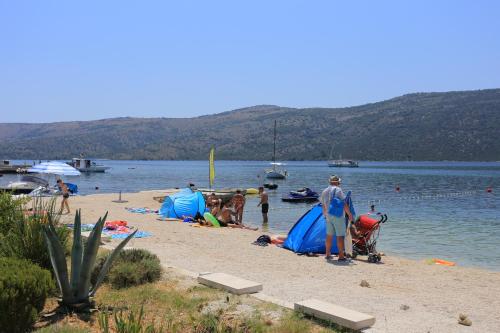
[(334, 313), (233, 284)]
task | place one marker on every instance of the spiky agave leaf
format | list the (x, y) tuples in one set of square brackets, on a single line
[(88, 260), (109, 261), (76, 253), (58, 260)]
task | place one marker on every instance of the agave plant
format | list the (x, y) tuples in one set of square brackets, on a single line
[(77, 291)]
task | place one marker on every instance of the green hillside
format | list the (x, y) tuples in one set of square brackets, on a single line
[(424, 126)]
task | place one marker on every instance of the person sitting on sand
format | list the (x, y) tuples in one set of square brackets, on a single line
[(225, 218), (238, 201), (213, 204)]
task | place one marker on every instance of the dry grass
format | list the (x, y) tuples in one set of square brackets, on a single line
[(179, 304)]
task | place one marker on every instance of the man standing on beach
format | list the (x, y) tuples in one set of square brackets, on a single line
[(334, 225), (264, 203)]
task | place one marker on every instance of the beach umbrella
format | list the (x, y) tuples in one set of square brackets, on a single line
[(55, 168)]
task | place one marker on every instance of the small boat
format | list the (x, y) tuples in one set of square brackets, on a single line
[(25, 185), (343, 164), (277, 171), (302, 195), (87, 165), (271, 186), (7, 167)]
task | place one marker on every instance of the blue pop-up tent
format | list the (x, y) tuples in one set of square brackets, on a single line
[(309, 232), (183, 203)]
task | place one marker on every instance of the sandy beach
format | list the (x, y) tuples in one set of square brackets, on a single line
[(436, 295)]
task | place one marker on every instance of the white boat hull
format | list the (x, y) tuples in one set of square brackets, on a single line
[(94, 169), (273, 174)]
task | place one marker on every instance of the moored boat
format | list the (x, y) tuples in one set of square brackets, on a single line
[(87, 165), (25, 185), (277, 171), (343, 164), (7, 167)]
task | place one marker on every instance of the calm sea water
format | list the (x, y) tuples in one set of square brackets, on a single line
[(442, 209)]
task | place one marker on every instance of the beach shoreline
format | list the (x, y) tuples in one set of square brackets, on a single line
[(435, 295)]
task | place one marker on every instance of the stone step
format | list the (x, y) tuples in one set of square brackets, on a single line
[(233, 284), (335, 313)]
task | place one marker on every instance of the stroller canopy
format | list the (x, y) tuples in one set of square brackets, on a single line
[(183, 203), (309, 232)]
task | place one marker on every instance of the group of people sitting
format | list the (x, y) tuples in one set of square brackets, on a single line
[(228, 213)]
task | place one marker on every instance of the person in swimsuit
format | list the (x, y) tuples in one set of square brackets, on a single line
[(264, 203), (225, 218), (65, 195), (214, 204), (238, 201)]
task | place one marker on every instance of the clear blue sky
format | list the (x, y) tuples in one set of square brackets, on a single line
[(69, 60)]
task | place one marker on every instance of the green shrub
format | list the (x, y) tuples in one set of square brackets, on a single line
[(23, 290), (25, 240), (132, 267), (10, 211)]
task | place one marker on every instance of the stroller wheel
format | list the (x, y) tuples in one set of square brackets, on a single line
[(371, 258), (379, 258)]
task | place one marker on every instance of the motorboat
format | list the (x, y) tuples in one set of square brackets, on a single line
[(25, 185), (304, 194), (270, 186), (343, 164), (277, 171), (87, 165), (7, 167)]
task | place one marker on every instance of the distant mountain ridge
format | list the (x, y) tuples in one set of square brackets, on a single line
[(462, 125)]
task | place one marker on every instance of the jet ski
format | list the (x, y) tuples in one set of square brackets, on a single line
[(302, 195)]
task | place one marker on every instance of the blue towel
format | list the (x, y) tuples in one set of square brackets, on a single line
[(348, 200), (139, 234)]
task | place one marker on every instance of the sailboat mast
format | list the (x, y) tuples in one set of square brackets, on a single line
[(274, 148)]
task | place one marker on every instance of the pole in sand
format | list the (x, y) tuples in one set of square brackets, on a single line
[(120, 198)]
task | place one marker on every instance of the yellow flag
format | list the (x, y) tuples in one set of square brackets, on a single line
[(211, 172)]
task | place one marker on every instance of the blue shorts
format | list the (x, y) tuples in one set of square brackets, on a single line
[(335, 226)]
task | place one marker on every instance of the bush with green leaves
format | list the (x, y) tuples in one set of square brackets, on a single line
[(131, 267), (10, 211), (23, 291), (24, 239)]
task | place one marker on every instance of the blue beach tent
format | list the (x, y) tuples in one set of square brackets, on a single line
[(309, 232), (183, 203)]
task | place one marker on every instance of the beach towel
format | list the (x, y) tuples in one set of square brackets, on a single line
[(348, 236), (144, 210), (139, 234)]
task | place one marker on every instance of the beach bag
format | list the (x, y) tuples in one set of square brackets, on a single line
[(336, 206)]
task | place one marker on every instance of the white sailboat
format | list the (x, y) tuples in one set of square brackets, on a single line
[(277, 171)]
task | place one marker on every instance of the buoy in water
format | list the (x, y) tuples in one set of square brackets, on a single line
[(489, 189), (397, 188)]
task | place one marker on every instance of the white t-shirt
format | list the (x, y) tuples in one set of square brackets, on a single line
[(326, 196)]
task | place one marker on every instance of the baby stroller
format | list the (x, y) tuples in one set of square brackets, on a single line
[(368, 231)]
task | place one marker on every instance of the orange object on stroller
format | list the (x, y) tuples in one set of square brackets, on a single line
[(368, 227)]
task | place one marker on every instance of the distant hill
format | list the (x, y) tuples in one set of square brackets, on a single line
[(462, 125)]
